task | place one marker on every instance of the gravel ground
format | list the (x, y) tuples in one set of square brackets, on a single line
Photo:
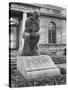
[(18, 81)]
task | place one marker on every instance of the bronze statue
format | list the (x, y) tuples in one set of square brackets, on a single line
[(31, 35)]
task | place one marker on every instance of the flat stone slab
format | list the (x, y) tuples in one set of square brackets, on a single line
[(32, 67)]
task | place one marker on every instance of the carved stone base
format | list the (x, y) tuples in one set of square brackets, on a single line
[(32, 67)]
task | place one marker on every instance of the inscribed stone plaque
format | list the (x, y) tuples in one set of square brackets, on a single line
[(36, 66)]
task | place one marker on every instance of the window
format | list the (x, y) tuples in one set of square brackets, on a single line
[(12, 37), (13, 33), (52, 32), (15, 18)]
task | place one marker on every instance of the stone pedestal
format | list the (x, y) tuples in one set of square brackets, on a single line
[(32, 67)]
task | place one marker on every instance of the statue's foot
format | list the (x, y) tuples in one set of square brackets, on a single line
[(36, 53), (24, 53), (30, 53)]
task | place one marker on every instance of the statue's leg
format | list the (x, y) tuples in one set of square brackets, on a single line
[(25, 47), (36, 41), (33, 45)]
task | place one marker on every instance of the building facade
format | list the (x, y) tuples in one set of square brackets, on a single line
[(52, 25)]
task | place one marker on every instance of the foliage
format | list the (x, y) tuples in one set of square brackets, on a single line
[(18, 81)]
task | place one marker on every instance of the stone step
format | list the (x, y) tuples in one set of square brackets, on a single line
[(12, 62), (59, 59), (13, 66), (58, 62)]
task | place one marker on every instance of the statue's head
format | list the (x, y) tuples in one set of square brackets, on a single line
[(36, 14)]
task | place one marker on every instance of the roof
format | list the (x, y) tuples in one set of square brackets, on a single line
[(49, 6), (44, 6), (53, 15), (39, 5), (19, 3)]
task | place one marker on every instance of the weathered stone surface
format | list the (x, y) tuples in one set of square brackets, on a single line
[(32, 67)]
